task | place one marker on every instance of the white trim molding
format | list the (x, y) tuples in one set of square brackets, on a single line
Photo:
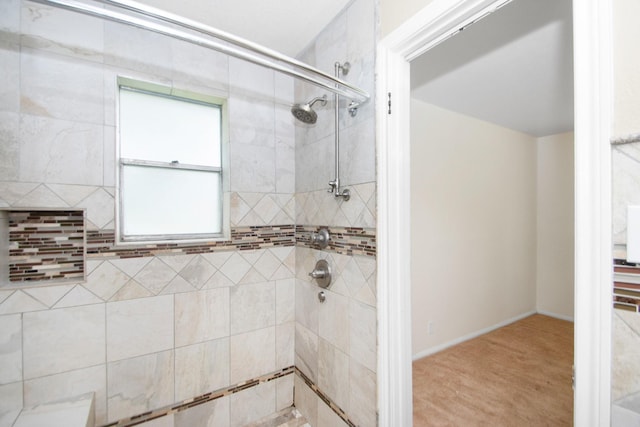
[(472, 335), (592, 61)]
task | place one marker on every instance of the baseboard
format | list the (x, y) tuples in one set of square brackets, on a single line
[(556, 316), (476, 334)]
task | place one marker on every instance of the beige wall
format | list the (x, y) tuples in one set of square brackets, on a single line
[(554, 261), (626, 33), (473, 225), (393, 13)]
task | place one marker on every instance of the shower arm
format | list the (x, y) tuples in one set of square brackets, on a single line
[(238, 47), (334, 186)]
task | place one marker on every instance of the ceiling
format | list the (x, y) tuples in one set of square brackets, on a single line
[(513, 68), (287, 26)]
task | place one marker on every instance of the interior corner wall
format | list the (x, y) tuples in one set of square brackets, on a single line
[(393, 13), (473, 222), (555, 225)]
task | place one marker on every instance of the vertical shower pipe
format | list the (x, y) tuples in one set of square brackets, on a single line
[(335, 184)]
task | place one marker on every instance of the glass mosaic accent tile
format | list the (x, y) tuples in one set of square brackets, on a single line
[(626, 294), (199, 400), (46, 246)]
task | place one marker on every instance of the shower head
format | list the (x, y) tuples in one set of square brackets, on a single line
[(305, 113)]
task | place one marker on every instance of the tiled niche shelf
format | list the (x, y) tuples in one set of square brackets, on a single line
[(626, 286), (45, 246)]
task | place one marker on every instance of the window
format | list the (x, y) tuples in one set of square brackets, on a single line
[(170, 178)]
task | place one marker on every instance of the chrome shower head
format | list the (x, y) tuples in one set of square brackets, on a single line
[(305, 113)]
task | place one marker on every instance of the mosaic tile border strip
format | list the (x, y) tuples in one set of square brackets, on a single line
[(46, 245), (208, 397), (626, 294), (199, 400), (344, 240), (101, 244), (330, 403)]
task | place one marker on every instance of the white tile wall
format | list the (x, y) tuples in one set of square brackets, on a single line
[(626, 340), (201, 368), (197, 68), (80, 85), (55, 30), (64, 339), (139, 384), (201, 316), (335, 342), (139, 327), (140, 351), (328, 418), (60, 151), (70, 384), (306, 401), (254, 168), (10, 403), (306, 356), (363, 334), (252, 404), (333, 316), (10, 349), (245, 362), (251, 80), (252, 307), (626, 178), (285, 339), (211, 414), (136, 325), (20, 302), (362, 394), (285, 301), (10, 148), (333, 373), (133, 49), (10, 15), (284, 392), (319, 208)]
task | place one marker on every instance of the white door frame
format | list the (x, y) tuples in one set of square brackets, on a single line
[(593, 273)]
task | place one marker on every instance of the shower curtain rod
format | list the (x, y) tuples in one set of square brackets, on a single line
[(267, 59)]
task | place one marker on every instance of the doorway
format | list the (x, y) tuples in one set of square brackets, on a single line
[(492, 205), (438, 21)]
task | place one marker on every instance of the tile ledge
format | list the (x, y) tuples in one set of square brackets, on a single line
[(627, 139), (77, 411)]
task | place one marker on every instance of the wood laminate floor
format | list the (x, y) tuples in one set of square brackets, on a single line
[(518, 375)]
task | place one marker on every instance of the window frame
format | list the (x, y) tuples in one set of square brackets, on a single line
[(153, 89)]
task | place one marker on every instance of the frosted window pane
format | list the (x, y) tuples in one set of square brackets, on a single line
[(170, 201), (165, 129)]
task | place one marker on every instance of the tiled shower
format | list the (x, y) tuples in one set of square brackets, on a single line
[(214, 333)]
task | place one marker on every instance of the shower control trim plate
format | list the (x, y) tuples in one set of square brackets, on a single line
[(322, 273)]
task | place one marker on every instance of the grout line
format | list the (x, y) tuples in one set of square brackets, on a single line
[(199, 400), (326, 399)]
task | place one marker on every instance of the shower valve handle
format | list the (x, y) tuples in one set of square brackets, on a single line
[(318, 274)]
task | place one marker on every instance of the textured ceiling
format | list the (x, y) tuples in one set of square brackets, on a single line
[(513, 68)]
